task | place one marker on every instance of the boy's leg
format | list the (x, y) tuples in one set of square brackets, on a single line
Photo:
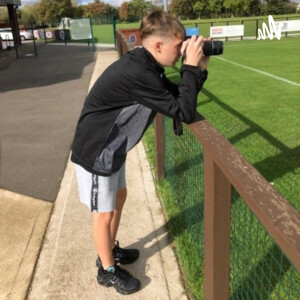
[(110, 274), (105, 228), (103, 238), (121, 198), (120, 255), (105, 196)]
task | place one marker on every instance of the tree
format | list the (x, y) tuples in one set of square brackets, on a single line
[(276, 7), (78, 11), (51, 11), (216, 6), (95, 9), (100, 12), (28, 15), (123, 12), (233, 6), (4, 15), (255, 7), (200, 7), (183, 8), (113, 11), (138, 9)]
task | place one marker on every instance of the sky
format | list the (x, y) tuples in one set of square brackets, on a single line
[(111, 2)]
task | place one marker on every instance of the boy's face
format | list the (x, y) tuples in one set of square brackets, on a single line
[(170, 51)]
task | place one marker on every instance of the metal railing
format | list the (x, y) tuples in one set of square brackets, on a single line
[(224, 169)]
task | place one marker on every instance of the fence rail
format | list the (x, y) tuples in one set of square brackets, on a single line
[(279, 218), (224, 168)]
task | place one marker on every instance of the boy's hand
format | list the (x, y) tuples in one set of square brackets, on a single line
[(192, 48), (203, 64)]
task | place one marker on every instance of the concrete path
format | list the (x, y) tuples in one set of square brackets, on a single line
[(65, 268)]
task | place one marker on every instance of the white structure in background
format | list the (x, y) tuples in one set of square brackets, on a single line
[(81, 29), (160, 2), (65, 23)]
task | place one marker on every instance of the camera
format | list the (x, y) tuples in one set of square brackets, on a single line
[(212, 48)]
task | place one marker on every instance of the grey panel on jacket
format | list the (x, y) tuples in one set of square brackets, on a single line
[(127, 131)]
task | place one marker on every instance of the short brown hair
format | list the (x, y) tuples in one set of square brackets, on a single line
[(161, 23)]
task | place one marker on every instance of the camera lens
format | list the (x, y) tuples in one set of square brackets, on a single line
[(212, 48)]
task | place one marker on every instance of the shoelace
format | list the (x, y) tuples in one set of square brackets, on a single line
[(123, 274), (117, 250)]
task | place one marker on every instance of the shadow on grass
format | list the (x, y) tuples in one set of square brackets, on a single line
[(264, 277), (288, 160), (253, 127), (272, 167)]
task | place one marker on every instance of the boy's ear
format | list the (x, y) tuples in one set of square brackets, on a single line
[(157, 46)]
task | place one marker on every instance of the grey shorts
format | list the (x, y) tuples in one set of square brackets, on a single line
[(99, 192)]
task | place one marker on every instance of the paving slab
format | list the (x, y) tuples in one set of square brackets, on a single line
[(23, 221)]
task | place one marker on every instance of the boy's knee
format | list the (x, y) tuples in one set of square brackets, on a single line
[(104, 218)]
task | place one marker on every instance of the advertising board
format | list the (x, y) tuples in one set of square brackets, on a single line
[(226, 31)]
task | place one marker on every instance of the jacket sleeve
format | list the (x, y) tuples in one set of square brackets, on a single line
[(171, 86), (152, 90)]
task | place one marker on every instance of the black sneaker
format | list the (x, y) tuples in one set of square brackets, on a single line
[(121, 280), (122, 256)]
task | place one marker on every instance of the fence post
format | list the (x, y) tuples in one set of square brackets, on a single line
[(242, 22), (217, 206), (114, 30), (256, 33), (227, 23), (159, 146)]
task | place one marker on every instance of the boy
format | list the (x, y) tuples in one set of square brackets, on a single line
[(117, 111)]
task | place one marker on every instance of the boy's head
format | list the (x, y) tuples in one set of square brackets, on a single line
[(162, 35), (163, 24)]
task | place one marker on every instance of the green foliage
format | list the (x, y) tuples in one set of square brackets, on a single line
[(95, 9), (78, 11), (200, 7), (123, 12), (187, 9), (137, 9), (4, 15), (51, 11), (28, 15), (276, 7)]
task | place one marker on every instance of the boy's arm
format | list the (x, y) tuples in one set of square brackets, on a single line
[(171, 86), (150, 90)]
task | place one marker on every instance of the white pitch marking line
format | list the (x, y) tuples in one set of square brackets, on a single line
[(261, 72)]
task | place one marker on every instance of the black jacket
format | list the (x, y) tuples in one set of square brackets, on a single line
[(122, 104)]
